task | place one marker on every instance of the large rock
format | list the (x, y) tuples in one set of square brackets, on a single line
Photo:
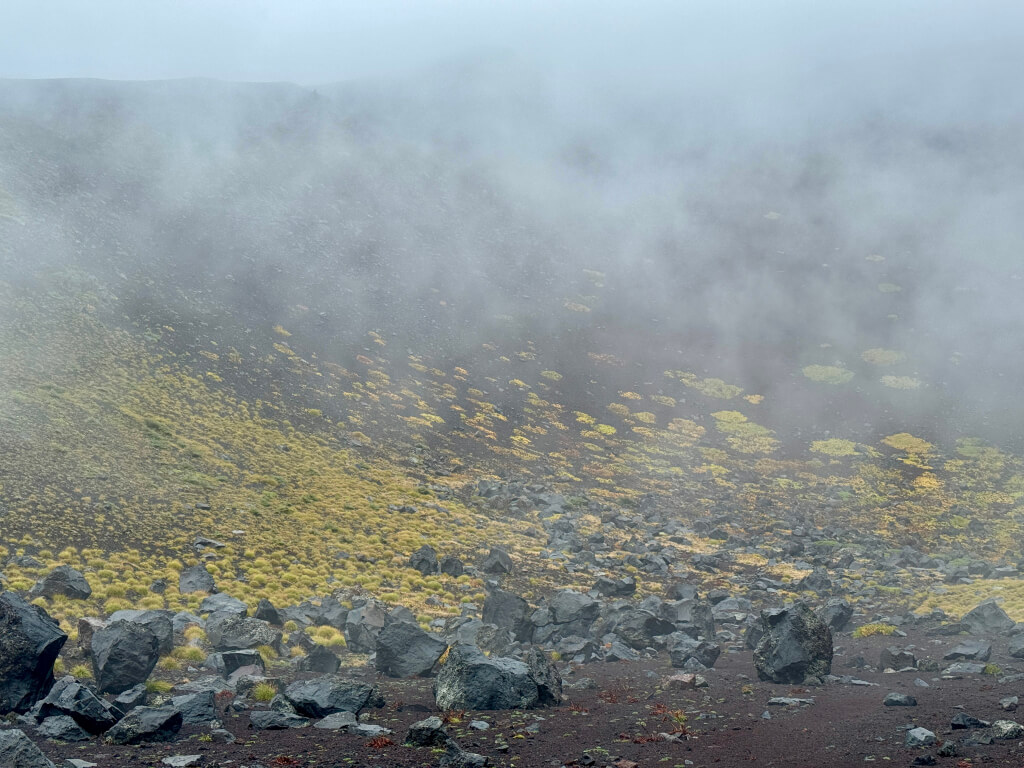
[(639, 628), (158, 622), (62, 580), (987, 618), (470, 680), (405, 650), (545, 675), (323, 696), (837, 613), (61, 728), (222, 603), (196, 579), (29, 643), (363, 624), (568, 613), (71, 698), (145, 724), (692, 616), (320, 660), (424, 560), (123, 654), (796, 645), (18, 751), (497, 562), (230, 632), (508, 610), (682, 649), (195, 708)]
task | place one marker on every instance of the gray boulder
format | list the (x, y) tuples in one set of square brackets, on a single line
[(545, 675), (323, 696), (1016, 647), (796, 645), (29, 643), (226, 663), (62, 728), (682, 648), (146, 724), (424, 560), (196, 579), (606, 587), (222, 603), (232, 632), (508, 610), (123, 654), (470, 680), (18, 751), (363, 624), (452, 566), (266, 611), (272, 720), (836, 613), (639, 628), (62, 580), (497, 562), (690, 615), (976, 650), (427, 733), (320, 660), (195, 708), (919, 737), (70, 698), (895, 657), (158, 622), (899, 700), (405, 650), (987, 618)]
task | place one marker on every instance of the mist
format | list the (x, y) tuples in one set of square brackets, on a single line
[(737, 189)]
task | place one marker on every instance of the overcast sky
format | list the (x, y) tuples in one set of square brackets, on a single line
[(316, 41)]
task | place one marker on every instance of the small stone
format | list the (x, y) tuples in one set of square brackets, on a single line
[(919, 737), (1009, 704), (182, 761), (899, 700)]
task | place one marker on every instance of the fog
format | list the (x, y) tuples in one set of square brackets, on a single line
[(763, 186)]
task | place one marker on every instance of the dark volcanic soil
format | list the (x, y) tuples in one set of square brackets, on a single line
[(620, 718)]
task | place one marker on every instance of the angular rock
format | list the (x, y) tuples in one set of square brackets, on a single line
[(146, 724), (337, 721), (496, 562), (987, 618), (963, 721), (836, 613), (195, 708), (573, 608), (899, 700), (427, 733), (639, 628), (681, 648), (919, 737), (323, 696), (123, 655), (1016, 647), (405, 650), (796, 645), (62, 580), (692, 616), (62, 728), (456, 757), (71, 698), (424, 560), (222, 603), (29, 643), (18, 751), (606, 587), (158, 622), (270, 720), (507, 610), (545, 675), (895, 657), (136, 696), (265, 611), (320, 660), (226, 663), (227, 633), (363, 624), (196, 579), (452, 566), (975, 650), (1007, 729), (470, 680)]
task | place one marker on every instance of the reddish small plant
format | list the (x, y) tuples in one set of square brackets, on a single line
[(577, 708), (284, 760), (380, 742), (608, 697)]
